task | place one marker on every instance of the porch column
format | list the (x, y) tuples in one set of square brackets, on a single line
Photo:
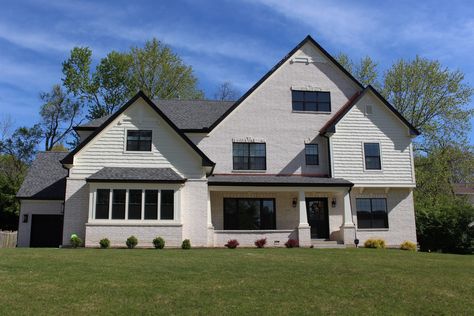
[(304, 233), (210, 227), (348, 228)]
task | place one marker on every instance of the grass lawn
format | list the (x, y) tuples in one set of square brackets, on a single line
[(241, 281)]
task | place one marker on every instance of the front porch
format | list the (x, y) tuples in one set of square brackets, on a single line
[(309, 214)]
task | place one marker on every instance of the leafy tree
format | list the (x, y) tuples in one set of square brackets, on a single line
[(365, 71), (431, 97), (59, 114), (226, 92), (160, 73)]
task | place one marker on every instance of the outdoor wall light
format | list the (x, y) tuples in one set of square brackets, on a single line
[(294, 202), (333, 203)]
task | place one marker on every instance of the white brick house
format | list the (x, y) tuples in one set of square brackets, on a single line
[(307, 153)]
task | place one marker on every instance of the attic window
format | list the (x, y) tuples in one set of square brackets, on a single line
[(138, 140), (368, 110)]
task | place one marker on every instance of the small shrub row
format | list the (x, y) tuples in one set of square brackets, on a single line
[(260, 243), (131, 242)]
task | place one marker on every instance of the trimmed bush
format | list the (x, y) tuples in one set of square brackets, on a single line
[(232, 244), (260, 243), (292, 243), (159, 243), (408, 245), (104, 243), (374, 243), (131, 242), (75, 241), (186, 244)]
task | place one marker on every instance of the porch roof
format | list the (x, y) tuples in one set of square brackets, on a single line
[(276, 180), (120, 174)]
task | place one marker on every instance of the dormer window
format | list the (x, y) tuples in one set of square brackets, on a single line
[(311, 101), (139, 140)]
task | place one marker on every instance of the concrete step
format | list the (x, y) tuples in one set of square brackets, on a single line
[(322, 243)]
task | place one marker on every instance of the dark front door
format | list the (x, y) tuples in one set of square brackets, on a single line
[(318, 219), (46, 230)]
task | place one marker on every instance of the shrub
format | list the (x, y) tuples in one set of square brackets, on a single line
[(292, 243), (186, 244), (232, 244), (408, 245), (260, 243), (104, 243), (75, 241), (131, 242), (159, 243), (374, 243)]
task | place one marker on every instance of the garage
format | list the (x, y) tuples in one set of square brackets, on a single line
[(46, 230)]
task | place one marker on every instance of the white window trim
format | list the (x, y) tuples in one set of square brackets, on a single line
[(139, 152), (365, 110), (363, 156)]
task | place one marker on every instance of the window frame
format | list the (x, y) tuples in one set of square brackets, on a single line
[(305, 101), (316, 155), (138, 144), (261, 200), (371, 199), (249, 156), (365, 160)]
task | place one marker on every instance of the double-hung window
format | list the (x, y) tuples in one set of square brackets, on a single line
[(311, 101), (249, 156), (249, 214), (311, 154), (139, 140), (372, 213), (372, 156)]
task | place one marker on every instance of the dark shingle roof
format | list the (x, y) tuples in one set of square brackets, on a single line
[(185, 114), (120, 174), (46, 178), (276, 180)]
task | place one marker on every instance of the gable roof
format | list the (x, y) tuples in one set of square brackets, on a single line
[(46, 178), (330, 126), (70, 157), (308, 39), (187, 115)]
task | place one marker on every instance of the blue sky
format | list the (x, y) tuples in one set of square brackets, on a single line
[(236, 41)]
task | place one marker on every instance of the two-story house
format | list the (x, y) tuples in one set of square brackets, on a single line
[(307, 153)]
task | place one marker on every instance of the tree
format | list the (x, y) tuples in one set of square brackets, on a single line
[(226, 92), (365, 71), (59, 114), (432, 98), (103, 90), (160, 73)]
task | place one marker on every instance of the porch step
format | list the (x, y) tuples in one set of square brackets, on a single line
[(323, 243)]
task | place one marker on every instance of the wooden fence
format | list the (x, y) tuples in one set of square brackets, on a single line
[(8, 239)]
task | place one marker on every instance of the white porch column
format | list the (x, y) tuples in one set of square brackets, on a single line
[(304, 230), (210, 227), (348, 228)]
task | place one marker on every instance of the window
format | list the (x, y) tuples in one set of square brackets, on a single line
[(118, 204), (249, 156), (139, 140), (102, 204), (135, 204), (167, 204), (372, 156), (151, 204), (372, 213), (314, 101), (312, 154), (249, 214)]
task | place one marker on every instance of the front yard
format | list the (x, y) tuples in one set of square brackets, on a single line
[(241, 281)]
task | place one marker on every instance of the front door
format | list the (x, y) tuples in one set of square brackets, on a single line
[(318, 219)]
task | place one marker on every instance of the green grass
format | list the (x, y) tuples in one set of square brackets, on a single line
[(241, 281)]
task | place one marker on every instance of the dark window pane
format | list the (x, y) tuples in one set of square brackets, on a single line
[(167, 204), (151, 204), (311, 96), (135, 204), (102, 204), (298, 106), (311, 101), (372, 156), (311, 106), (231, 216), (297, 95), (139, 140), (324, 97), (372, 213), (118, 204), (311, 152), (249, 214), (372, 163), (324, 107), (267, 215), (371, 149), (249, 156)]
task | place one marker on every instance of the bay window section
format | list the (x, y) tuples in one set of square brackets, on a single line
[(135, 204), (118, 204), (151, 204)]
